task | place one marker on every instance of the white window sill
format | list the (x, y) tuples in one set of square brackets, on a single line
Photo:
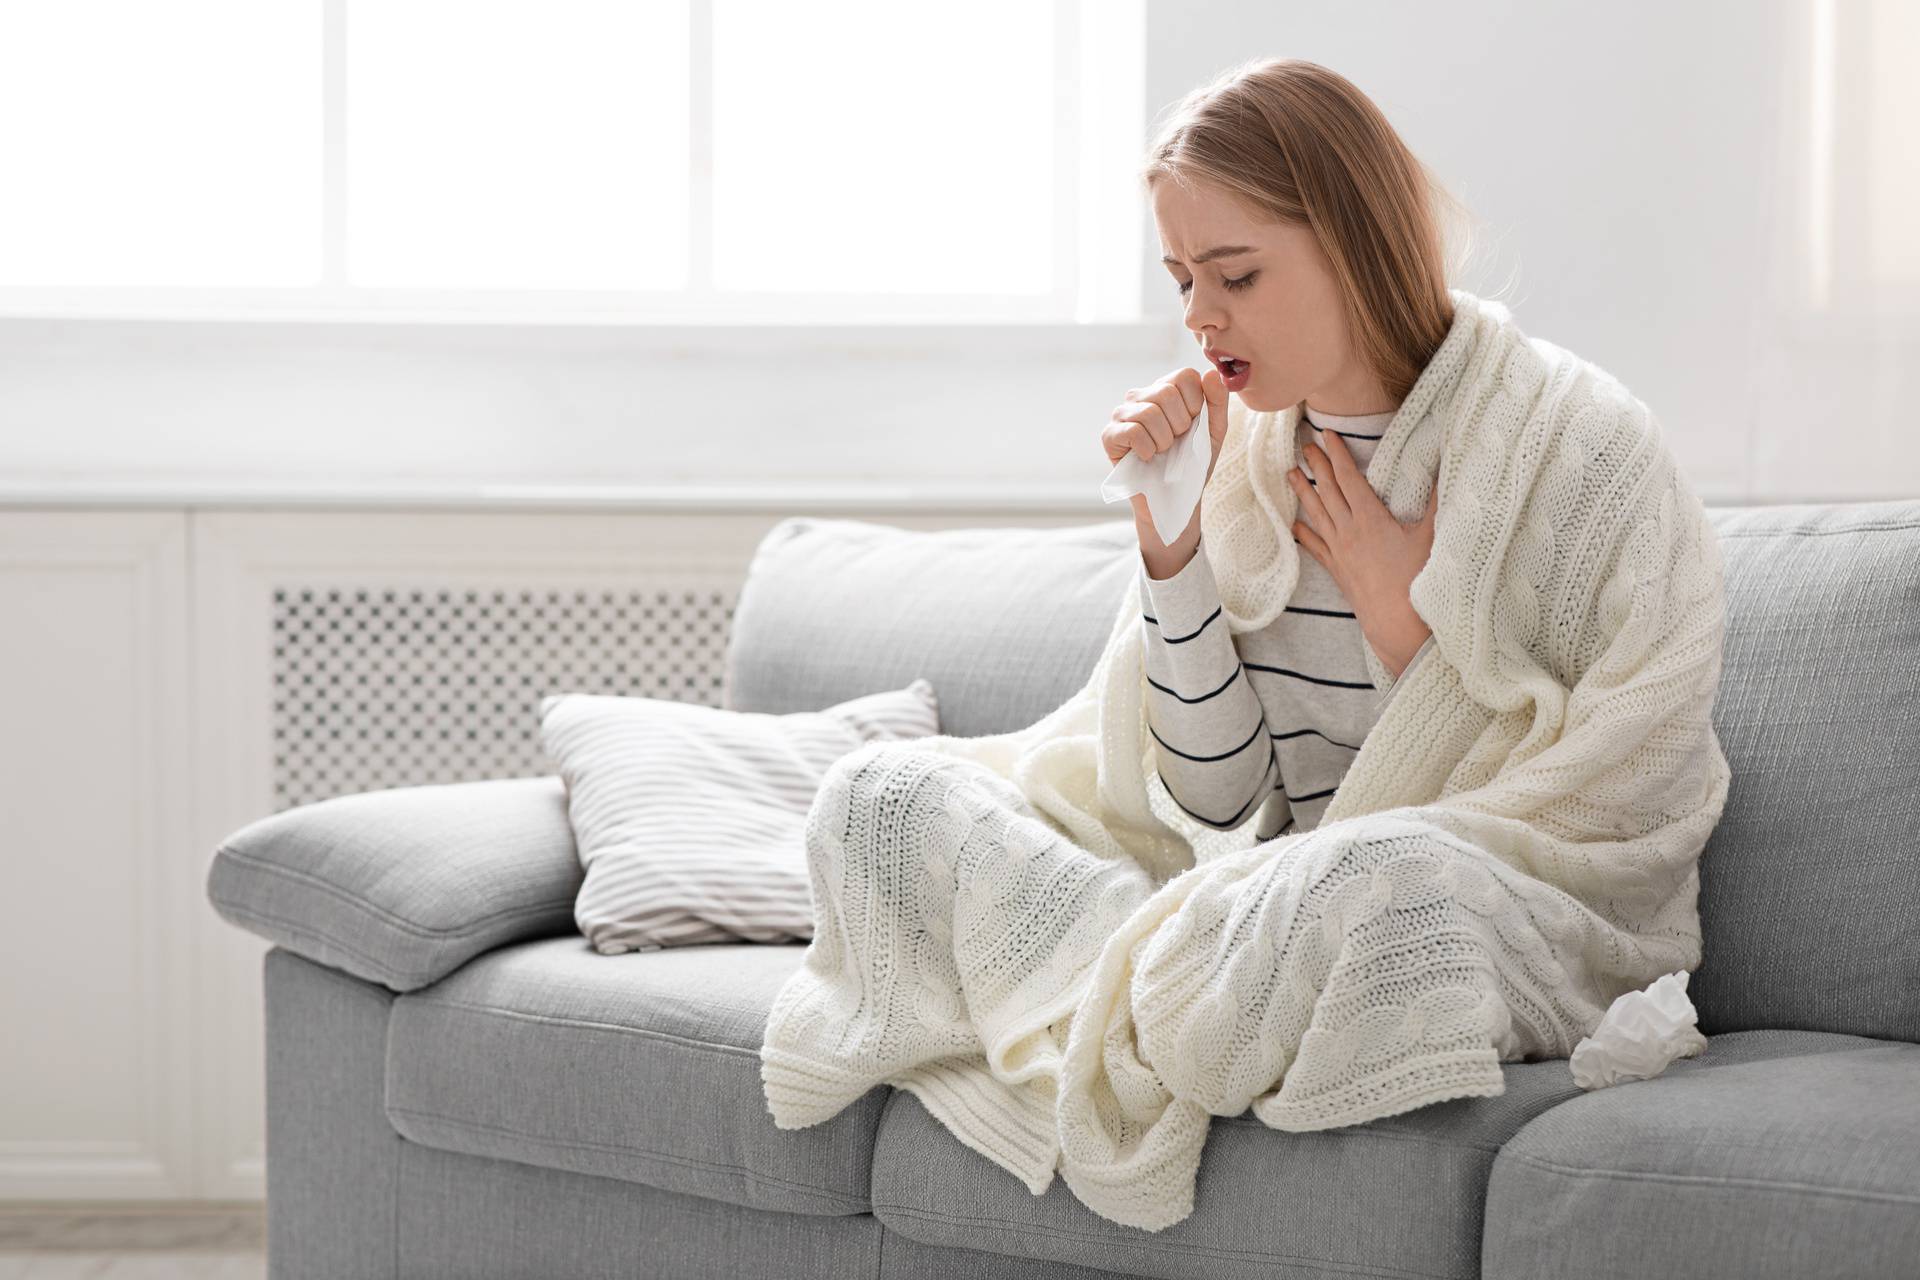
[(1134, 339), (1082, 501)]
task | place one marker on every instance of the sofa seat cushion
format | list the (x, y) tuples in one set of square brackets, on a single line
[(643, 1066), (1800, 1150), (1398, 1196)]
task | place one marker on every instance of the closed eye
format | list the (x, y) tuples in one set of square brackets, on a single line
[(1241, 283)]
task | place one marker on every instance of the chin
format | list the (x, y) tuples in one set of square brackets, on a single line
[(1265, 398)]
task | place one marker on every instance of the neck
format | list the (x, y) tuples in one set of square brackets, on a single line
[(1330, 412)]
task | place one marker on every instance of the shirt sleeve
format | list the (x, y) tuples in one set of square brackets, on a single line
[(1211, 743)]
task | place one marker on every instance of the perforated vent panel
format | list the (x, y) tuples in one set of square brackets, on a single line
[(391, 687)]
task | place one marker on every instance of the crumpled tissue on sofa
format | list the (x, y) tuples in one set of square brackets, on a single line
[(1640, 1033)]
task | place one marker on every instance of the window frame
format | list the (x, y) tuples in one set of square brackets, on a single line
[(1099, 229)]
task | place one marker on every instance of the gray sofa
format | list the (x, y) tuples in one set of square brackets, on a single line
[(458, 1085)]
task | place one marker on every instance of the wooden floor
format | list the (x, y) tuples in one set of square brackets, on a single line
[(133, 1242)]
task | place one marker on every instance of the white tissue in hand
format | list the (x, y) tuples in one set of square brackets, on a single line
[(1172, 481), (1640, 1033)]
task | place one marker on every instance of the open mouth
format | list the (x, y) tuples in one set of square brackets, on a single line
[(1231, 367)]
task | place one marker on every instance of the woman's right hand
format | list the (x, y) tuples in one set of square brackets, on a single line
[(1150, 420)]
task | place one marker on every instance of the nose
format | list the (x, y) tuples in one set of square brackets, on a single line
[(1202, 317)]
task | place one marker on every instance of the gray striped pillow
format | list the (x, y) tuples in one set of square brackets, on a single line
[(690, 819)]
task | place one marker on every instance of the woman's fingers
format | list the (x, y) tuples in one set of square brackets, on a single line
[(1311, 509), (1329, 485), (1352, 478), (1181, 393), (1311, 541), (1152, 419), (1214, 388)]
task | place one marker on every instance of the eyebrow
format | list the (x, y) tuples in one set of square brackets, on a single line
[(1224, 251)]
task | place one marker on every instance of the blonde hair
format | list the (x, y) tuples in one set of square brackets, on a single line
[(1295, 142)]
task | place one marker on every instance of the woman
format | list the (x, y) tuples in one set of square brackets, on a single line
[(1499, 658), (1319, 284)]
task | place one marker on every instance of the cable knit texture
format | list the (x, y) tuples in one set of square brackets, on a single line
[(1025, 932)]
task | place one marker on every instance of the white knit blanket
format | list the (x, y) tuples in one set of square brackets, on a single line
[(1025, 932)]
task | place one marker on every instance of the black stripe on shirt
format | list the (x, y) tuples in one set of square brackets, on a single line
[(1237, 818), (1187, 755), (1191, 634), (1278, 737), (1203, 697), (1301, 675)]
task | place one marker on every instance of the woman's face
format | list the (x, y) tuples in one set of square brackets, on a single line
[(1272, 303)]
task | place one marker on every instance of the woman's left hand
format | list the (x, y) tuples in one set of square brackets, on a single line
[(1369, 554)]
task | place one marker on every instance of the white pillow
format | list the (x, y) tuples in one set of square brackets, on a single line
[(690, 819)]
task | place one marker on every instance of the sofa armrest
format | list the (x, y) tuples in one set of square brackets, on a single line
[(403, 886)]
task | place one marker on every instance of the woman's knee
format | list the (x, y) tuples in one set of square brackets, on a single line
[(1403, 866), (914, 799)]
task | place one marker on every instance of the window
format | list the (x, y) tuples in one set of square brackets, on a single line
[(1863, 243), (651, 161)]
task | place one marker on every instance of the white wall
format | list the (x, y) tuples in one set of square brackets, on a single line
[(1639, 171)]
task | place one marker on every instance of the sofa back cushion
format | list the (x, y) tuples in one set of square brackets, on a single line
[(1006, 623), (1810, 885)]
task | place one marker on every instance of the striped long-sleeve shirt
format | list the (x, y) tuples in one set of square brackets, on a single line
[(1274, 715)]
